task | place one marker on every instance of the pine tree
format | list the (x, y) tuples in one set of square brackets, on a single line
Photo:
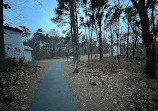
[(68, 8), (99, 6)]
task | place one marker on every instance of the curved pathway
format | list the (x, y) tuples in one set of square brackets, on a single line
[(53, 93)]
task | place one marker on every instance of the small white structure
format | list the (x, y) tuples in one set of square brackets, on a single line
[(13, 43), (27, 54), (14, 47)]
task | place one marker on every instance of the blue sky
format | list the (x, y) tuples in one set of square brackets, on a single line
[(34, 15), (31, 14)]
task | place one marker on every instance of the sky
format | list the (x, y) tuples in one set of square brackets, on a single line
[(31, 14), (34, 15)]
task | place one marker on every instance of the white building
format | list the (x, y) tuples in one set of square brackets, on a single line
[(13, 44), (27, 54)]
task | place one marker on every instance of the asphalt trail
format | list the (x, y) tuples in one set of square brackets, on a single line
[(53, 93)]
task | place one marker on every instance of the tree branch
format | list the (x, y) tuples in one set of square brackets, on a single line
[(135, 4), (142, 3), (151, 3), (148, 3)]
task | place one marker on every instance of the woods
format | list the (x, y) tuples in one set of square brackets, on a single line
[(139, 17), (102, 22), (104, 52), (147, 37)]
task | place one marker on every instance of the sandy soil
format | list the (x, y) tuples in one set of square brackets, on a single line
[(18, 85), (107, 86)]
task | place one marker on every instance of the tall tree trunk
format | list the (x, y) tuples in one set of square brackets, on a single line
[(120, 47), (91, 45), (111, 42), (100, 44), (134, 46), (77, 27), (86, 41), (100, 39), (127, 40), (72, 38), (117, 34), (142, 9), (87, 46), (150, 69), (2, 50), (100, 15), (73, 23)]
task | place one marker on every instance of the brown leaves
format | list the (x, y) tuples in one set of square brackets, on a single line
[(123, 85), (14, 85)]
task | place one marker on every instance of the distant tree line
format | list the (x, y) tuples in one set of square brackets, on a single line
[(47, 46), (50, 45)]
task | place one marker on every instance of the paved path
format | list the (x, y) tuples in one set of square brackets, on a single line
[(53, 93)]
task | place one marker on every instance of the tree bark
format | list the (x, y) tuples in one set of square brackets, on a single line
[(134, 47), (148, 39), (100, 44), (72, 38), (150, 69), (77, 40), (135, 40), (111, 42), (2, 49), (100, 38), (91, 45), (127, 41), (120, 47), (74, 32), (117, 36), (88, 44)]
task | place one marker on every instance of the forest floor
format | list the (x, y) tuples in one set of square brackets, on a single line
[(108, 86), (19, 83)]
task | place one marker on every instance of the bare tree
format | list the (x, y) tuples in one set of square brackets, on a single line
[(142, 9)]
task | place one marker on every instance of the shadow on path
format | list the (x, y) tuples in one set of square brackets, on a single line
[(53, 93)]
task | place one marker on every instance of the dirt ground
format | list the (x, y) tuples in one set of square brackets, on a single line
[(109, 86), (18, 85)]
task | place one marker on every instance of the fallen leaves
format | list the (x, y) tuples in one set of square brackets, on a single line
[(106, 85), (14, 85)]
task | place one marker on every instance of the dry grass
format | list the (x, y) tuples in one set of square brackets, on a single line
[(94, 56)]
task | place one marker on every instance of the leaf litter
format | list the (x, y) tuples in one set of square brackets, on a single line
[(108, 86)]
